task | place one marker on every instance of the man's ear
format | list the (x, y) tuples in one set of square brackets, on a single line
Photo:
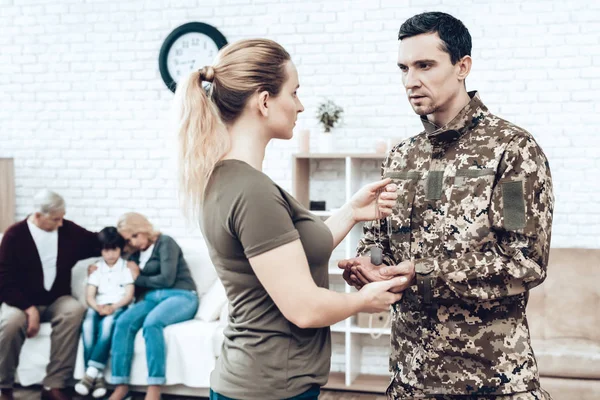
[(263, 103), (464, 67)]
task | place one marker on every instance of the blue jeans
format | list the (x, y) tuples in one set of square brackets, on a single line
[(310, 394), (158, 309), (96, 333)]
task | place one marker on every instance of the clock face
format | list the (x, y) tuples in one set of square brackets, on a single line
[(190, 51), (189, 47)]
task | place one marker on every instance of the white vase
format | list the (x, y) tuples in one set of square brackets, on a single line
[(326, 142), (304, 141)]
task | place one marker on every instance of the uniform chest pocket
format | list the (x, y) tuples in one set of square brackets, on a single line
[(400, 228), (468, 207)]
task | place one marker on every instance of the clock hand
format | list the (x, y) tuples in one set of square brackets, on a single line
[(184, 62)]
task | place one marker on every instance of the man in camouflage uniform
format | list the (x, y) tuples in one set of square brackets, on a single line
[(473, 220)]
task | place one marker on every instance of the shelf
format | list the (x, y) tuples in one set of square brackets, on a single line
[(383, 331), (341, 327), (363, 383), (368, 156), (326, 213), (344, 174)]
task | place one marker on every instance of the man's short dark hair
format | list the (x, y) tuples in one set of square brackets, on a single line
[(453, 33), (110, 238)]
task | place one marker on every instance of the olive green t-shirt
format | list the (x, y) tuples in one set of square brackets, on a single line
[(264, 355)]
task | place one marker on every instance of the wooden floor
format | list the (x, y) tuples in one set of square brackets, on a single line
[(33, 393)]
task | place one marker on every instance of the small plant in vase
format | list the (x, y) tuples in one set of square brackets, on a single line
[(329, 115)]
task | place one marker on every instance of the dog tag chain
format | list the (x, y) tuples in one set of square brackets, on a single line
[(377, 249)]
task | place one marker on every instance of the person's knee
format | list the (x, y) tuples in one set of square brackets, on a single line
[(14, 323), (107, 323), (90, 316), (72, 309), (153, 323), (89, 320), (90, 313), (124, 324)]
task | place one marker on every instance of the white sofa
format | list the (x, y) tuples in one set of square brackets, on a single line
[(192, 346)]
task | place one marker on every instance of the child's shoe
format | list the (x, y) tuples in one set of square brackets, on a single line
[(99, 388), (84, 386)]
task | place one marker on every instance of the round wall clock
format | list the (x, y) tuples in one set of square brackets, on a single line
[(189, 47)]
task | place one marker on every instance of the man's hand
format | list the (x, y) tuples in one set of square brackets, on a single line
[(406, 270), (92, 268), (359, 271), (134, 268), (33, 321), (346, 265)]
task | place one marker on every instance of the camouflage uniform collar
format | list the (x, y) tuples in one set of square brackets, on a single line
[(467, 119)]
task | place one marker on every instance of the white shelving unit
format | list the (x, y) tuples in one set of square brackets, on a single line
[(323, 213), (358, 169)]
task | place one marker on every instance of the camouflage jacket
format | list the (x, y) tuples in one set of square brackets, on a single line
[(475, 214)]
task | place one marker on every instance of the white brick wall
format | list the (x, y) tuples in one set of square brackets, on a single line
[(83, 109)]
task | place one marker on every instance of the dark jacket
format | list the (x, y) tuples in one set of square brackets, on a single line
[(21, 273), (165, 269)]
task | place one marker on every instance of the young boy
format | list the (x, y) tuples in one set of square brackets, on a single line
[(109, 291)]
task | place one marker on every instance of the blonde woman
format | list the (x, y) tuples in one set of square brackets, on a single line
[(166, 295), (269, 251)]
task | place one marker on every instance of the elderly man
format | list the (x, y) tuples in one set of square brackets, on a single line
[(36, 257)]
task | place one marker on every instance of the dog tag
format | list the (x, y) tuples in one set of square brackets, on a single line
[(376, 255)]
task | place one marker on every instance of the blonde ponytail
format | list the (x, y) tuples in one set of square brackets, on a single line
[(242, 69), (202, 137)]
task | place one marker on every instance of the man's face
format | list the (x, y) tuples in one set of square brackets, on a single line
[(430, 79), (50, 222)]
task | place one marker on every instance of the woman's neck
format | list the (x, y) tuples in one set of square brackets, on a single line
[(248, 143)]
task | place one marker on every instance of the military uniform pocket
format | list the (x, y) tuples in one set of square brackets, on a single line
[(468, 208)]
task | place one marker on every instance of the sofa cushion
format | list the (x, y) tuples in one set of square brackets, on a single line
[(189, 343), (79, 278), (566, 304), (198, 259), (212, 302), (568, 358), (571, 389)]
